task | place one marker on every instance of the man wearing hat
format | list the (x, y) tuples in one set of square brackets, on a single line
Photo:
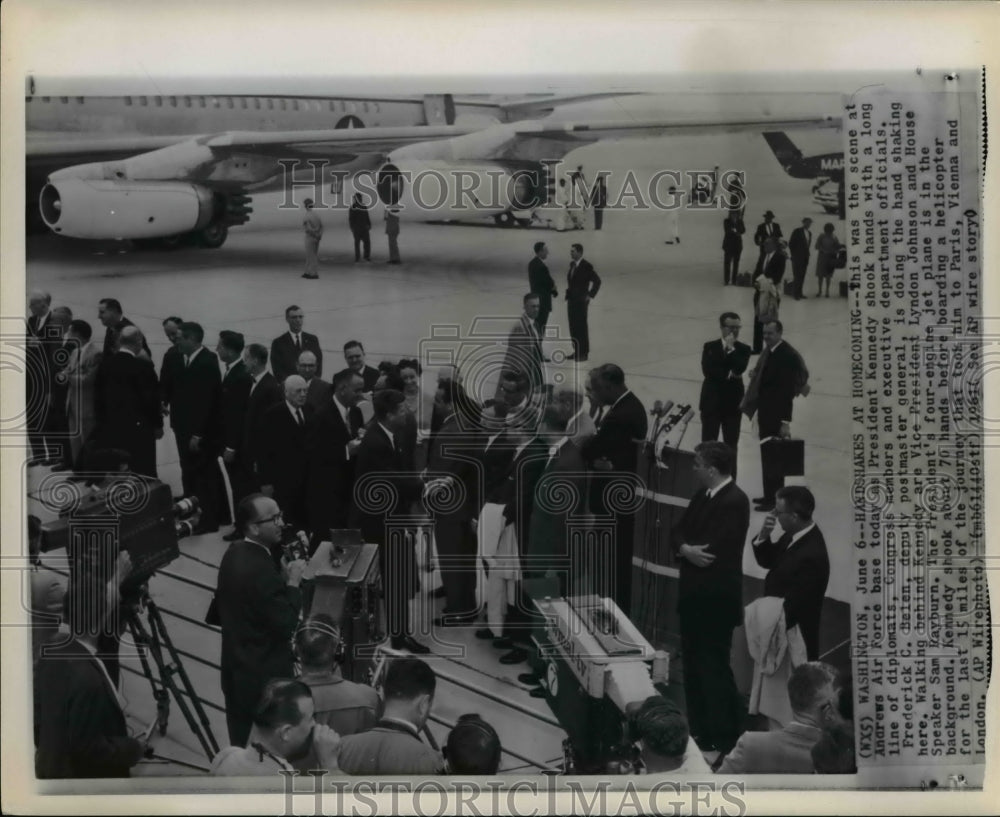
[(768, 229), (313, 228)]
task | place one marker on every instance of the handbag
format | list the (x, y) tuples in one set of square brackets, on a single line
[(841, 260)]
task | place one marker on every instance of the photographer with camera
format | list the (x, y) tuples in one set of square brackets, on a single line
[(80, 729), (284, 725), (258, 606)]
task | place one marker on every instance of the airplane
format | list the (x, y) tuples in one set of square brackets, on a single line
[(165, 183), (827, 169)]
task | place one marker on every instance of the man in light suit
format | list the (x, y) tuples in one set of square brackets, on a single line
[(582, 285), (524, 347), (81, 375), (318, 390), (286, 348), (613, 450), (540, 282), (708, 542), (723, 363), (771, 264), (799, 244), (813, 691)]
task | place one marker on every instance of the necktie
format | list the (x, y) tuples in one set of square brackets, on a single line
[(187, 360), (768, 229), (599, 418), (572, 269), (298, 343), (298, 416)]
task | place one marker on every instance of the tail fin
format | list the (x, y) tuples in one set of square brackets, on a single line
[(783, 148)]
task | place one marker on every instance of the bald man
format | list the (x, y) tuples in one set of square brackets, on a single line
[(127, 403), (319, 392), (281, 456)]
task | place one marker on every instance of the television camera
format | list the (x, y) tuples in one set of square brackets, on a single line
[(596, 663), (129, 512)]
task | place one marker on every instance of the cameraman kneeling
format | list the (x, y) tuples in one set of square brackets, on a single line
[(284, 723)]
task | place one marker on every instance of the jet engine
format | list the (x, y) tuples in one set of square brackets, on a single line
[(434, 190), (96, 209)]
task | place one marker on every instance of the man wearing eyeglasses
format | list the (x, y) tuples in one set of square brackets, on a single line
[(723, 362), (258, 605)]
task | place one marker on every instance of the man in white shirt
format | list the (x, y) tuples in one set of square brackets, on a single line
[(313, 229)]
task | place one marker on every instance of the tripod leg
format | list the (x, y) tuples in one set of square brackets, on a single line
[(160, 634), (142, 641)]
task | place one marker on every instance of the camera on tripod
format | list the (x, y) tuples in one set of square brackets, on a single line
[(187, 515)]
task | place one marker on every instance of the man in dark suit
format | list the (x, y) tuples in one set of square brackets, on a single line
[(258, 605), (381, 465), (80, 729), (732, 246), (799, 244), (354, 355), (613, 449), (173, 361), (772, 265), (127, 403), (524, 347), (769, 228), (281, 459), (582, 285), (723, 363), (540, 282), (450, 461), (286, 348), (39, 347), (264, 393), (778, 378), (332, 448), (360, 223), (194, 419), (318, 391), (797, 562), (708, 542), (109, 312), (234, 395)]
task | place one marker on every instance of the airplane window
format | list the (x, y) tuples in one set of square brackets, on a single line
[(229, 102), (243, 102), (46, 99), (79, 100), (143, 100), (216, 102), (64, 99), (187, 102), (173, 102), (366, 107), (284, 106), (343, 107), (159, 102), (270, 104), (352, 107), (333, 105), (377, 108), (128, 100), (256, 102), (201, 101), (295, 104)]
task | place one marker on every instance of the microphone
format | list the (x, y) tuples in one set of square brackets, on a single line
[(688, 417), (657, 409)]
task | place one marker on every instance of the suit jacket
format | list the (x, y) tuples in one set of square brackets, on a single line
[(452, 454), (779, 382), (785, 751), (330, 472), (720, 393), (798, 245), (540, 282), (234, 396), (583, 282), (42, 341), (258, 613), (319, 393), (285, 355), (496, 459), (774, 269), (379, 461), (721, 522), (548, 534), (760, 234), (732, 234), (358, 219), (127, 402), (281, 459), (194, 404), (80, 730), (173, 363), (799, 574), (112, 334), (619, 427), (259, 400), (518, 490)]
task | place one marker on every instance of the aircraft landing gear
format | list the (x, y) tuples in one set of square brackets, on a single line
[(213, 236), (504, 219)]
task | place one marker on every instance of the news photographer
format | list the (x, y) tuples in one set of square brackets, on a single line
[(257, 603), (80, 729), (284, 723)]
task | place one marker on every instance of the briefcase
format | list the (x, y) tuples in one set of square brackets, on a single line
[(789, 287), (781, 459)]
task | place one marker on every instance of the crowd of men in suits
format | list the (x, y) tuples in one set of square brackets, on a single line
[(303, 452)]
